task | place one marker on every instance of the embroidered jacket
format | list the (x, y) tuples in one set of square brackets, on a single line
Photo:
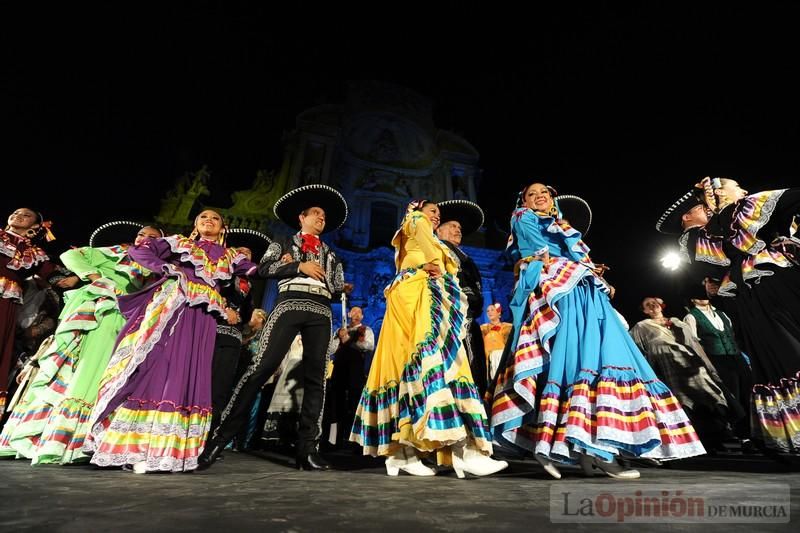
[(469, 278), (273, 267)]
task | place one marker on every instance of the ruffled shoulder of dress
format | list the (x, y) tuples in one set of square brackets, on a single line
[(414, 218), (117, 251), (124, 264), (133, 270), (748, 216), (21, 253), (555, 229), (705, 248), (448, 252), (205, 267), (519, 212)]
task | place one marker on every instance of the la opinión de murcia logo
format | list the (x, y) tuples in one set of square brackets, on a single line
[(655, 504)]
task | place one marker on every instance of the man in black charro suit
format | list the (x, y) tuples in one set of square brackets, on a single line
[(309, 275), (458, 218)]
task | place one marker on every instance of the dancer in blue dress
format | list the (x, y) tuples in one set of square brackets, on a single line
[(573, 386)]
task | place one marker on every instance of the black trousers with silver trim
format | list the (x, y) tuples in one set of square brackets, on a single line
[(227, 348), (310, 316)]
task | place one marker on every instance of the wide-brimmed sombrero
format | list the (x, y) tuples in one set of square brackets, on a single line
[(576, 211), (468, 214), (670, 220), (690, 289), (256, 241), (115, 232), (293, 203)]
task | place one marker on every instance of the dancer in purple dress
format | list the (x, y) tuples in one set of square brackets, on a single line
[(153, 409)]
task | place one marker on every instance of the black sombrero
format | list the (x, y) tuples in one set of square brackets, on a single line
[(249, 238), (576, 211), (290, 205), (670, 220), (116, 232), (690, 289), (468, 214)]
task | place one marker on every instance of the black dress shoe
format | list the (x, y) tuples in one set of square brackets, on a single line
[(209, 456), (748, 446), (312, 461)]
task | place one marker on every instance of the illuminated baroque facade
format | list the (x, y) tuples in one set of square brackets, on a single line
[(380, 148)]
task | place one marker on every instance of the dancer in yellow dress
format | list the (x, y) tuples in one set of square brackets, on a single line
[(420, 395)]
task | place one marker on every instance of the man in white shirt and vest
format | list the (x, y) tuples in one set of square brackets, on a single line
[(714, 329)]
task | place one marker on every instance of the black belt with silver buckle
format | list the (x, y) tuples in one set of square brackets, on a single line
[(311, 289)]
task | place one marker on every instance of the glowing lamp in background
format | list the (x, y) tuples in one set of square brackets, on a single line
[(671, 261)]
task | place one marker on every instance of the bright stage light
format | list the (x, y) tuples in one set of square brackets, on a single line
[(671, 261)]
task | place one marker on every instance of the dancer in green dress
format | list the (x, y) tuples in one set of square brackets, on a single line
[(50, 422)]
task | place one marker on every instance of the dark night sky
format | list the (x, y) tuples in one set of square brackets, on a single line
[(638, 101)]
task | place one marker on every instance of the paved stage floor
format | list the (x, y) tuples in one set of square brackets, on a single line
[(263, 492)]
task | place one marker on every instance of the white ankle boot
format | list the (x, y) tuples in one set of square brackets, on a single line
[(405, 459), (548, 466), (467, 459)]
